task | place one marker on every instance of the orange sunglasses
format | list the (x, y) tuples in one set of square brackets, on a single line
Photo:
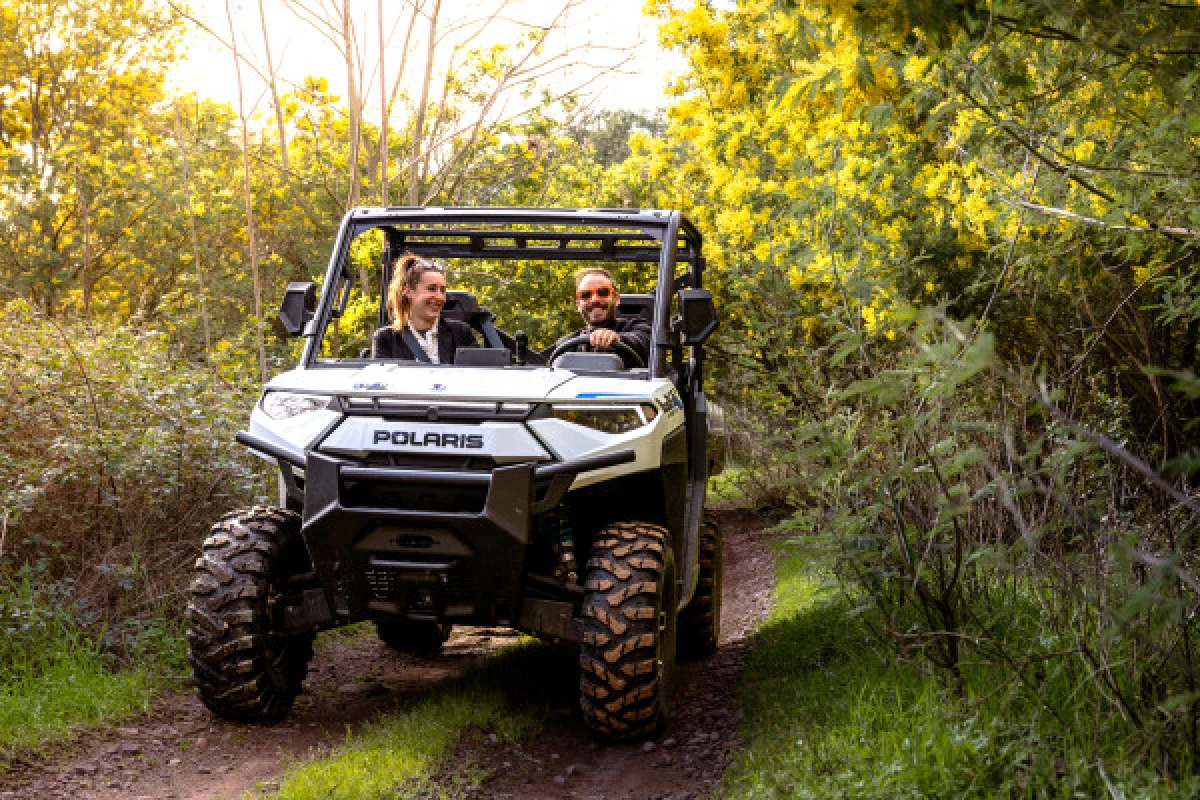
[(586, 294)]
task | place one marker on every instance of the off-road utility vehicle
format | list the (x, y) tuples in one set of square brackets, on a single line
[(557, 492)]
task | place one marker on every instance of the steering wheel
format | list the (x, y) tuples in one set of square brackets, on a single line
[(627, 353)]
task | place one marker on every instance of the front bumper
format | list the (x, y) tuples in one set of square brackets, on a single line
[(424, 544)]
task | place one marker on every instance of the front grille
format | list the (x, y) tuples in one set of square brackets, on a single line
[(442, 463), (414, 496), (382, 583), (460, 583)]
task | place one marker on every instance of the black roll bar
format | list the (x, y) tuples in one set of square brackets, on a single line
[(646, 235)]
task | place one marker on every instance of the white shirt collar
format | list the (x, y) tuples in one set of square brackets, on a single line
[(428, 341)]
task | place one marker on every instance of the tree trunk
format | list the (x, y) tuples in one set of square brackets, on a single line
[(383, 119), (283, 142), (412, 23), (353, 104), (415, 175), (85, 280), (187, 191), (252, 243)]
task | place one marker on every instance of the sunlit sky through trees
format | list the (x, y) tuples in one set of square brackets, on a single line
[(622, 37)]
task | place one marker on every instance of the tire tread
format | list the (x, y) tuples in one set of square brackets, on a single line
[(622, 695), (241, 668)]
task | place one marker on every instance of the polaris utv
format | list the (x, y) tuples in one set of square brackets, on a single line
[(557, 492)]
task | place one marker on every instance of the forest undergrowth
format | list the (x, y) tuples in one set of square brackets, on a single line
[(832, 712), (117, 457)]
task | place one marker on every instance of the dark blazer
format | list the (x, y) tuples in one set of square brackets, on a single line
[(451, 335)]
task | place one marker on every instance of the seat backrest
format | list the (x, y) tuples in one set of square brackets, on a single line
[(636, 305), (460, 305), (482, 357)]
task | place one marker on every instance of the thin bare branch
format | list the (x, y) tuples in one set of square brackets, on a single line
[(1169, 230), (1112, 448)]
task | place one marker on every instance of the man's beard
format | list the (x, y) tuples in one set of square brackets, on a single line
[(608, 315)]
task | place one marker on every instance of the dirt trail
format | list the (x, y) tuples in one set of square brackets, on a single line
[(181, 752)]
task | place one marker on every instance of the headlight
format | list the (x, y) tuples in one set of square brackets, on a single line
[(609, 419), (285, 405)]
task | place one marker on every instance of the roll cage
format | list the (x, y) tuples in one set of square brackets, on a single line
[(648, 236)]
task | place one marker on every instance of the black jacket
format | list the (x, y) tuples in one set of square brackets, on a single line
[(451, 335), (633, 331)]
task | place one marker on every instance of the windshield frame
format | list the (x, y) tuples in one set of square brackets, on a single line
[(471, 233)]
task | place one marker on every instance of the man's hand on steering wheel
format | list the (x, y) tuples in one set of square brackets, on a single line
[(628, 355), (603, 338)]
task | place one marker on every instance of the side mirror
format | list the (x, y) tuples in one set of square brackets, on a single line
[(697, 315), (299, 303)]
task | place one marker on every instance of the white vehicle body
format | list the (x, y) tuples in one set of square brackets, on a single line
[(499, 463), (541, 440)]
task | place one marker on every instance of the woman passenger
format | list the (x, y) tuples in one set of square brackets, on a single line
[(415, 297)]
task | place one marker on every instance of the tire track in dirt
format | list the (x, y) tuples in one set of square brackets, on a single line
[(179, 751)]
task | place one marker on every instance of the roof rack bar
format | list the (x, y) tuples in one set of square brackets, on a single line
[(500, 233), (545, 253), (566, 216)]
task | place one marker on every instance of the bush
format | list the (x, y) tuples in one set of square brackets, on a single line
[(56, 673), (990, 533), (117, 458)]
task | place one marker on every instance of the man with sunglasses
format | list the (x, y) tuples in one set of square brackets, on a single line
[(596, 298)]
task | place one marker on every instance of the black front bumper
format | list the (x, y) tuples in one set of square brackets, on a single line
[(382, 547), (455, 566)]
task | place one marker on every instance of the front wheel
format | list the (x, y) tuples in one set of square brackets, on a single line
[(243, 667), (629, 609)]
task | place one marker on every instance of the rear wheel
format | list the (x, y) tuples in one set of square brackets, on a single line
[(700, 622), (243, 667), (628, 653), (422, 638)]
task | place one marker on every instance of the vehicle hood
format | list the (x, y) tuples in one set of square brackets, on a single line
[(449, 384)]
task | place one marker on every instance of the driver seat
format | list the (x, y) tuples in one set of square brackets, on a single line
[(637, 305)]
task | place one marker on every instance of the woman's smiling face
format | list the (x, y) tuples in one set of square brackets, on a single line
[(428, 299)]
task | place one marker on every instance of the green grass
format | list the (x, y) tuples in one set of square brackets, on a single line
[(56, 676), (729, 485), (74, 691), (400, 753), (831, 713), (400, 750), (346, 633)]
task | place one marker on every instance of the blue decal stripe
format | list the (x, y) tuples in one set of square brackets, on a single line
[(596, 395)]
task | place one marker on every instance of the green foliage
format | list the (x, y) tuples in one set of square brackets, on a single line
[(1028, 168), (729, 485), (607, 134), (79, 78), (954, 247), (829, 713), (128, 455), (57, 675)]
